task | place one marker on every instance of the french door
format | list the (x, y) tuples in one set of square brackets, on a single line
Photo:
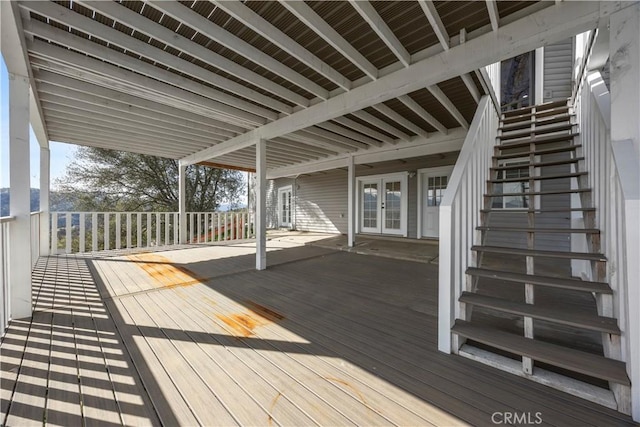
[(284, 206), (383, 204), (432, 183)]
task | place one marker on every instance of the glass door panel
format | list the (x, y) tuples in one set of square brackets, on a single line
[(370, 208)]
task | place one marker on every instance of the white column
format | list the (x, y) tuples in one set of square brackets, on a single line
[(45, 176), (624, 50), (351, 196), (20, 194), (261, 204), (539, 76), (182, 202)]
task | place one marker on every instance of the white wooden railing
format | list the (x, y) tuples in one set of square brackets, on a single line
[(460, 214), (5, 229), (79, 232), (35, 237)]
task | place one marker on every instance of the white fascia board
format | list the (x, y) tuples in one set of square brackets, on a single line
[(545, 26), (377, 24), (155, 79), (199, 23), (319, 26), (135, 20), (261, 26), (438, 27), (418, 146), (118, 38)]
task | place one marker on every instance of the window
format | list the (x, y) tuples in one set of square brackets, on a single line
[(435, 189), (513, 201)]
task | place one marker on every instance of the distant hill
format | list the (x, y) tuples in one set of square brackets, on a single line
[(59, 201)]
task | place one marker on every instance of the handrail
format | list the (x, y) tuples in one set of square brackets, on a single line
[(582, 71)]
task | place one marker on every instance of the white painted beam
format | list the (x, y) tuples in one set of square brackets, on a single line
[(263, 27), (45, 180), (20, 198), (446, 103), (194, 20), (471, 86), (146, 26), (121, 143), (297, 146), (381, 124), (312, 20), (315, 130), (366, 130), (261, 204), (438, 27), (402, 121), (494, 16), (351, 200), (349, 133), (544, 26), (319, 141), (138, 107), (377, 24), (118, 38), (182, 203), (162, 86), (424, 115)]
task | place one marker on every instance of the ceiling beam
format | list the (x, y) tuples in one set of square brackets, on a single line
[(315, 130), (377, 24), (270, 32), (315, 151), (149, 84), (471, 86), (132, 105), (446, 103), (118, 38), (401, 120), (221, 166), (494, 16), (201, 24), (366, 130), (349, 133), (317, 141), (381, 124), (523, 35), (146, 26), (438, 27), (312, 20), (422, 113)]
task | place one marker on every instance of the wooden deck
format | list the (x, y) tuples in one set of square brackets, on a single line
[(197, 337)]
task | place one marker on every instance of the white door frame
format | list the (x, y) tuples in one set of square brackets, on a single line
[(436, 171), (404, 200), (281, 191)]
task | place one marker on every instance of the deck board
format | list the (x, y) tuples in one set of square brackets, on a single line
[(198, 337)]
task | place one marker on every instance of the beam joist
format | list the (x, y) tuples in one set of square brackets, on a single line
[(446, 103), (438, 27), (494, 16), (401, 120)]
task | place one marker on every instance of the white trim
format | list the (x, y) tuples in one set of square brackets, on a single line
[(281, 191), (404, 202), (419, 201)]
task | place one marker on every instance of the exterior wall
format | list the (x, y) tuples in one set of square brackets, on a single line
[(320, 200), (558, 68)]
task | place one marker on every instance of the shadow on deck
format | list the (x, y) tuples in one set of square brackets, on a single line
[(196, 336)]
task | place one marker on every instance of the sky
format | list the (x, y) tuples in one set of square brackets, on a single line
[(61, 154)]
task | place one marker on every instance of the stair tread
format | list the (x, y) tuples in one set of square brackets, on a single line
[(538, 178), (567, 358), (526, 116), (517, 133), (566, 316), (538, 229), (540, 193), (540, 164), (535, 140), (538, 152), (549, 281), (561, 117), (540, 211), (539, 108), (536, 252)]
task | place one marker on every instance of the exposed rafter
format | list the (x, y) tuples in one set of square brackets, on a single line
[(263, 27), (146, 26), (381, 124), (494, 16), (471, 86), (349, 133), (311, 19), (424, 115), (438, 27), (194, 20), (369, 14), (315, 130), (366, 130), (402, 121), (446, 103)]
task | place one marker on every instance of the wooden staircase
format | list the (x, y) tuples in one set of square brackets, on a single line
[(522, 311)]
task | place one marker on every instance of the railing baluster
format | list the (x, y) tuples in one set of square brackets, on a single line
[(94, 231), (199, 220), (166, 229), (158, 232), (176, 228), (68, 236), (107, 232), (81, 246), (118, 230), (128, 219), (139, 229), (148, 230), (218, 217)]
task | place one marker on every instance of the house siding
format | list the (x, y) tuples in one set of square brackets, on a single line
[(558, 66)]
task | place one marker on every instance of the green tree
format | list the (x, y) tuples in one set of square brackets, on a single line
[(107, 180)]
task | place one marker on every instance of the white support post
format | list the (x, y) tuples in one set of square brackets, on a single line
[(20, 194), (351, 196), (539, 76), (182, 201), (624, 51), (261, 204), (45, 162)]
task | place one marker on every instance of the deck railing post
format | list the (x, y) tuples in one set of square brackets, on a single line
[(351, 211), (45, 162), (261, 206), (182, 203)]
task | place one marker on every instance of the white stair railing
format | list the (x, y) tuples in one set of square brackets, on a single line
[(5, 229), (80, 232), (460, 215)]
